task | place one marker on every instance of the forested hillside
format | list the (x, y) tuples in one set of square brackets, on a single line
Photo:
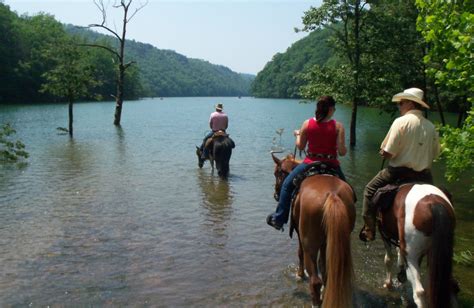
[(281, 77), (168, 73), (30, 48)]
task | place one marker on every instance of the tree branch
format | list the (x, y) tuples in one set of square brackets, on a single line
[(115, 53), (142, 5), (129, 64)]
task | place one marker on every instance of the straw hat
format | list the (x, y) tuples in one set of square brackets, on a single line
[(412, 94), (219, 107)]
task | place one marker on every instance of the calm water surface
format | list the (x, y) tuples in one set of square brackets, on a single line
[(124, 217)]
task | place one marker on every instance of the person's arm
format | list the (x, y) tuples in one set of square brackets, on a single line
[(391, 145), (210, 121), (301, 138), (341, 139)]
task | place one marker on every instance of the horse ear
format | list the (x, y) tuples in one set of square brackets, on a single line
[(197, 147), (276, 160)]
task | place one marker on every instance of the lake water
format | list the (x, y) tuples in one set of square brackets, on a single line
[(124, 217)]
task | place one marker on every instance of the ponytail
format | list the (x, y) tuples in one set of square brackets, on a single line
[(322, 107)]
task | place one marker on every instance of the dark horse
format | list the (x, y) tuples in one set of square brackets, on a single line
[(220, 147), (323, 216), (421, 222)]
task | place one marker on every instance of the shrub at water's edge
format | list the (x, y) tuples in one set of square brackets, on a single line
[(11, 150)]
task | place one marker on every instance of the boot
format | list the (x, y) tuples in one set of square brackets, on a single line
[(367, 234)]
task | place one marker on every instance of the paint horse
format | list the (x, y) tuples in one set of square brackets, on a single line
[(219, 147), (323, 216), (421, 222)]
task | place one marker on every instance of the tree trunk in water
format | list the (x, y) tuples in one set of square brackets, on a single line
[(356, 96), (353, 124), (70, 117), (438, 104), (119, 97)]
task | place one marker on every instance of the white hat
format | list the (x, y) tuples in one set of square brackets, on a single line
[(412, 94)]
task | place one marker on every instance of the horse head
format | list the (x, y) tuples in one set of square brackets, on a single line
[(199, 155), (283, 167)]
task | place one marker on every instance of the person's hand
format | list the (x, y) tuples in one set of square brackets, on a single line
[(385, 155), (296, 132)]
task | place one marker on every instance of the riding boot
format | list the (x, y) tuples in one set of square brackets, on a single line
[(367, 233)]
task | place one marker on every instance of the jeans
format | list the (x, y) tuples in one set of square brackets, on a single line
[(284, 203), (204, 151)]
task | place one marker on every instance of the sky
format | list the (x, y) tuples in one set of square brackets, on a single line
[(240, 34)]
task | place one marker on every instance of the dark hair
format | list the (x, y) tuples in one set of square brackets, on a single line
[(322, 107)]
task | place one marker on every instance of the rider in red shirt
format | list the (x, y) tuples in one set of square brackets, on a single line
[(325, 140)]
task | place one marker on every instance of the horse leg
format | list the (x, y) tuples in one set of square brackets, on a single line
[(402, 274), (211, 160), (388, 261), (300, 273), (315, 283), (322, 264), (322, 268), (413, 273)]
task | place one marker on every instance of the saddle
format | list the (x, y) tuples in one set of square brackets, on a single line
[(315, 168), (384, 196), (219, 133)]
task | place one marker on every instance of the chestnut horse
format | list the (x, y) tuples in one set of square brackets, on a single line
[(323, 216), (421, 221)]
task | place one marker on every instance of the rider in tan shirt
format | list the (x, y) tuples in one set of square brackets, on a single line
[(411, 145)]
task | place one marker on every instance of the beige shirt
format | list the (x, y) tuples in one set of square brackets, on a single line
[(413, 142)]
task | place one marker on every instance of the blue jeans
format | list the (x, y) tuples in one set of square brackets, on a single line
[(284, 203), (204, 151)]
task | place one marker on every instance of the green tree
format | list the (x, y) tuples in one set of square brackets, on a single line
[(9, 56), (71, 78), (393, 54), (37, 33), (345, 19), (448, 28)]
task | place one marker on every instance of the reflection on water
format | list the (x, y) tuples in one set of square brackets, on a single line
[(122, 216), (217, 202)]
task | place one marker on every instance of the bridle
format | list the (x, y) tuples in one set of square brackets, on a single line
[(280, 176)]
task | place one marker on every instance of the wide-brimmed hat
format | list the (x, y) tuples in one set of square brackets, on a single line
[(219, 107), (412, 94)]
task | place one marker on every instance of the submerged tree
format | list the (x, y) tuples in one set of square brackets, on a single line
[(118, 52), (71, 78)]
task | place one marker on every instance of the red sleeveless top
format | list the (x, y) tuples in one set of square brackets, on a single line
[(322, 142)]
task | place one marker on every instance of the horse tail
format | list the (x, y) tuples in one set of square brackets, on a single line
[(440, 257), (222, 153), (339, 268)]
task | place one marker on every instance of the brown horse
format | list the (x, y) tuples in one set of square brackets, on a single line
[(220, 147), (421, 222), (323, 216)]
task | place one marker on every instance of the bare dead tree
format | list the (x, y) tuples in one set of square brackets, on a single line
[(119, 53)]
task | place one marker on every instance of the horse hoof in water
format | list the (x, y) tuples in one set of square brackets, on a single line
[(388, 285), (402, 276)]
